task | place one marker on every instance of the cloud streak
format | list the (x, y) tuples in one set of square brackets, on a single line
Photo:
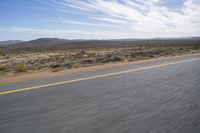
[(109, 19), (142, 15)]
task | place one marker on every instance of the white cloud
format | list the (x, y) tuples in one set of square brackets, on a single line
[(124, 19), (143, 16), (110, 20), (82, 23)]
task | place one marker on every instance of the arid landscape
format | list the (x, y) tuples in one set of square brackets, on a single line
[(58, 54), (100, 66)]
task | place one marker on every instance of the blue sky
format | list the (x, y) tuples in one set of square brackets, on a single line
[(98, 19)]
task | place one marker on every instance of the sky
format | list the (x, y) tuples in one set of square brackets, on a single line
[(98, 19)]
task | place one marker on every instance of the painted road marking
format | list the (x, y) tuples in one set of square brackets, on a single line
[(97, 76)]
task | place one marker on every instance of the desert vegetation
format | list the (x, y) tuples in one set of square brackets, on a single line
[(56, 56)]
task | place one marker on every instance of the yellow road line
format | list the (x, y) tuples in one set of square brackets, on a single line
[(97, 76)]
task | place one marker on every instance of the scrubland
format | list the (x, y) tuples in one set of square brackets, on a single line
[(24, 58)]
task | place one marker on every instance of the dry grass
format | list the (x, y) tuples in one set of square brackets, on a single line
[(47, 73), (66, 59)]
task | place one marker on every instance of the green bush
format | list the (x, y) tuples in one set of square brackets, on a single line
[(117, 58), (71, 64), (4, 68), (21, 68), (68, 64), (87, 61), (111, 59)]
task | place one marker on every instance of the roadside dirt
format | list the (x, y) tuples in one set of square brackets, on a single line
[(47, 73)]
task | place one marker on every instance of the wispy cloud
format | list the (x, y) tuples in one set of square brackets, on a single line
[(110, 20), (83, 23), (105, 19), (142, 15)]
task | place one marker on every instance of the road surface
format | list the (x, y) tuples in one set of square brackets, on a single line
[(158, 96)]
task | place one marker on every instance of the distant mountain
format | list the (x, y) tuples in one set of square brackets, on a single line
[(40, 41), (45, 41), (52, 44), (59, 42), (9, 42)]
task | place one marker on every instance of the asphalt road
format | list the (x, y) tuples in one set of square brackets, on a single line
[(161, 96)]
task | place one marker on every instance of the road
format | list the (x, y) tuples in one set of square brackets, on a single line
[(158, 96)]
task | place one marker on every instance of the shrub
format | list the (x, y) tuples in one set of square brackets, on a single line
[(76, 65), (87, 61), (111, 59), (55, 65), (71, 64), (21, 68), (117, 58), (68, 64), (4, 68)]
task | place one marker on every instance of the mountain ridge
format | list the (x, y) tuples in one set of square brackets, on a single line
[(9, 42)]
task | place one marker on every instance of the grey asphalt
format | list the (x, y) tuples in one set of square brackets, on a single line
[(158, 100)]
